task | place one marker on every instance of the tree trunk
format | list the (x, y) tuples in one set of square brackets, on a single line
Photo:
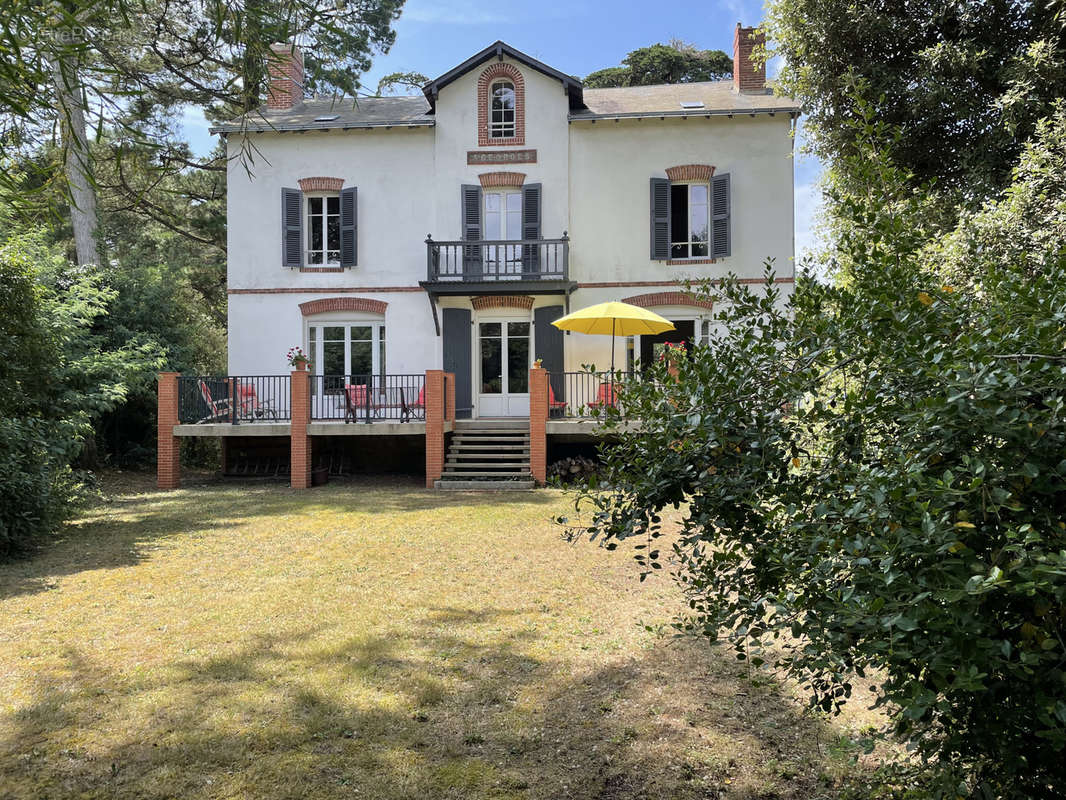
[(76, 163)]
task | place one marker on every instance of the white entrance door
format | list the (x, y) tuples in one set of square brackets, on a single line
[(503, 355)]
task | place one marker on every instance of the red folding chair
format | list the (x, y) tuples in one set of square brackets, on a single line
[(555, 407), (217, 409), (249, 405), (355, 400), (606, 397)]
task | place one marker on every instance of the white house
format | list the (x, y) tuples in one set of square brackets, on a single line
[(447, 230)]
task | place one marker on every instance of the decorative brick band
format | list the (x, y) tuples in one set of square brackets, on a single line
[(684, 262), (321, 184), (523, 302), (667, 299), (497, 179), (690, 172), (484, 82), (365, 305)]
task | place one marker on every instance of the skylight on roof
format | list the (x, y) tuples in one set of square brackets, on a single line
[(327, 118), (692, 104)]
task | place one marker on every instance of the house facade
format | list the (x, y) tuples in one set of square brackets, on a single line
[(447, 230)]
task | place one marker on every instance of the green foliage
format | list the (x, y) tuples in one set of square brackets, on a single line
[(676, 62), (965, 83), (57, 377), (869, 477)]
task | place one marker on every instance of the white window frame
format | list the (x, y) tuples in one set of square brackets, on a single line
[(691, 241), (500, 128), (510, 262), (324, 254), (379, 341)]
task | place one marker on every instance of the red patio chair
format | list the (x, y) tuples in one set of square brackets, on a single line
[(355, 400), (217, 409), (606, 397), (418, 408), (555, 407), (249, 405)]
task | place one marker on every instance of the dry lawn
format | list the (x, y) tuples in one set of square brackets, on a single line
[(374, 640)]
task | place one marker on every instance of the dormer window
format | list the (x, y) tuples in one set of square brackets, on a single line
[(501, 106), (501, 112)]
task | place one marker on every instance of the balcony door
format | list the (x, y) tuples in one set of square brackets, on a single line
[(503, 358), (503, 222)]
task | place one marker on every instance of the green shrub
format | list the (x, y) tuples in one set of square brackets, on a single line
[(871, 480)]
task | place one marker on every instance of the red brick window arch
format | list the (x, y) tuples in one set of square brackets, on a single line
[(501, 106)]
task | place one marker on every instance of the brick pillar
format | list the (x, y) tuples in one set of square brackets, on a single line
[(168, 464), (538, 420), (449, 397), (299, 441), (435, 410)]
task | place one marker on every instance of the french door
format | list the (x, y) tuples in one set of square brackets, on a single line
[(503, 221), (346, 353), (503, 355)]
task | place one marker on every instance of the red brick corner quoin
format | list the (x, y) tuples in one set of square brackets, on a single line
[(690, 172), (491, 73), (364, 305), (321, 184), (666, 299)]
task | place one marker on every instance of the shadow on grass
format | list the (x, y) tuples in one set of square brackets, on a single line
[(452, 705), (134, 518)]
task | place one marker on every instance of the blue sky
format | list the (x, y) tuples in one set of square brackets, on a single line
[(574, 36)]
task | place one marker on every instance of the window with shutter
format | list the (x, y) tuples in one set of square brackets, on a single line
[(660, 219), (721, 241), (349, 222), (531, 195), (291, 228), (470, 208)]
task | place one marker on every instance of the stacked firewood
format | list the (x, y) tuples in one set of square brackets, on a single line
[(569, 470)]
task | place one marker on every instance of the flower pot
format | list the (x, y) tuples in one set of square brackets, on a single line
[(320, 476), (300, 366)]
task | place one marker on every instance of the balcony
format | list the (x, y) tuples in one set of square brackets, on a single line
[(516, 266)]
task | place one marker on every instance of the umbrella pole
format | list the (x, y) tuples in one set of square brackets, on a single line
[(614, 322)]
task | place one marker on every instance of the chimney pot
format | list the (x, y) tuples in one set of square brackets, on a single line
[(285, 87), (748, 76)]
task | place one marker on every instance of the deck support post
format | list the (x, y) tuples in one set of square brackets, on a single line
[(435, 413), (168, 463), (538, 422), (299, 441)]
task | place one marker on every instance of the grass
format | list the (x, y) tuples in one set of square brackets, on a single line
[(374, 640)]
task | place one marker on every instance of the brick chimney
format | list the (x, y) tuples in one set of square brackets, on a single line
[(747, 76), (285, 88)]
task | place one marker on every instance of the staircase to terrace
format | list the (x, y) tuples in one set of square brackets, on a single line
[(488, 454)]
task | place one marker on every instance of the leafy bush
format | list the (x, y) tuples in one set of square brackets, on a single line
[(870, 479), (56, 379)]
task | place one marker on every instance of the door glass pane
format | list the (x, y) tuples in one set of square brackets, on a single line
[(333, 333), (491, 358), (333, 366), (492, 215), (362, 363), (312, 348), (361, 333), (381, 348), (514, 216), (517, 357)]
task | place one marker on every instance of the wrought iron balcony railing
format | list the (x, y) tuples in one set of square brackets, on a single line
[(477, 261)]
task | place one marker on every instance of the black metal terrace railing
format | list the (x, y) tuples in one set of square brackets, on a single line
[(585, 394), (368, 398), (234, 399), (477, 261)]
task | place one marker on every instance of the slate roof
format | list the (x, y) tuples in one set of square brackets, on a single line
[(663, 100), (367, 112), (717, 97)]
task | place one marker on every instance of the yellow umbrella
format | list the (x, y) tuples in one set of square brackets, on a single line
[(613, 319)]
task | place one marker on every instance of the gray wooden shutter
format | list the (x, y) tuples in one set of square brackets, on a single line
[(455, 340), (471, 227), (531, 194), (349, 227), (660, 219), (720, 202), (292, 229), (548, 342)]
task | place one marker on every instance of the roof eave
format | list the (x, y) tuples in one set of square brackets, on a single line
[(703, 112), (226, 129), (499, 49)]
